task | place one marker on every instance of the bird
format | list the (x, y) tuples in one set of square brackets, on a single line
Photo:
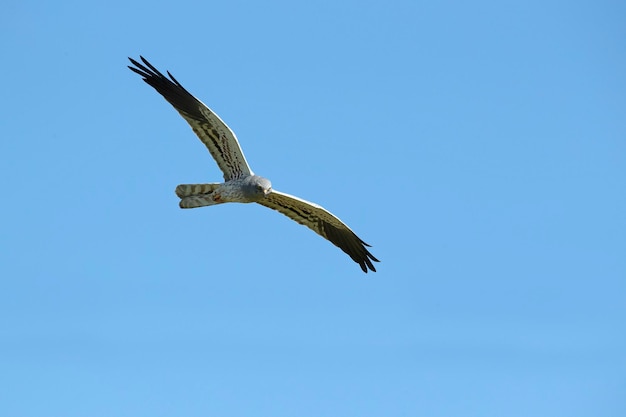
[(240, 184)]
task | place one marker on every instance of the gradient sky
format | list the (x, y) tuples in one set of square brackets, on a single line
[(480, 147)]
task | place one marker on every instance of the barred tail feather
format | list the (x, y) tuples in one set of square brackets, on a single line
[(197, 201), (188, 190)]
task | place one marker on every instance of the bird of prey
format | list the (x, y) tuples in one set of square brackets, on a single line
[(240, 184)]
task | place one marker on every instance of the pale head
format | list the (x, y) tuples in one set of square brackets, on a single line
[(256, 188)]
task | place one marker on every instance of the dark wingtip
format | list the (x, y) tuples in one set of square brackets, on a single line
[(368, 258), (367, 263)]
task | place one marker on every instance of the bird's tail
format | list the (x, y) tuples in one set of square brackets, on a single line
[(188, 190), (196, 195)]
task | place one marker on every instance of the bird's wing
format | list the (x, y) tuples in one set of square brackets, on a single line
[(212, 131), (324, 223)]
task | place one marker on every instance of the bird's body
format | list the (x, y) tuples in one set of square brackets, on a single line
[(240, 184), (248, 189)]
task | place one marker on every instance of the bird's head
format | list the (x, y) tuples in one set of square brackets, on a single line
[(257, 187)]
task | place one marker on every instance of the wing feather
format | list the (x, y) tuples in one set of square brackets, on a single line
[(219, 139), (324, 223)]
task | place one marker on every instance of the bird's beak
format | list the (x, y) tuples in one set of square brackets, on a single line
[(267, 192)]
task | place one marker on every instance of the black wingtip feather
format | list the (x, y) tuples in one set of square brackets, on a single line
[(353, 246), (169, 88)]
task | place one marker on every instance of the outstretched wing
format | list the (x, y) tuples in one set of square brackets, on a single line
[(212, 131), (324, 223)]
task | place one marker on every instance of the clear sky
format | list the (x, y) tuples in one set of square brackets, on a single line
[(480, 147)]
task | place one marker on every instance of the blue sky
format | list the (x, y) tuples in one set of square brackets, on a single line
[(480, 147)]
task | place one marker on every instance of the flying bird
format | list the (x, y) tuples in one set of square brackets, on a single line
[(240, 184)]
